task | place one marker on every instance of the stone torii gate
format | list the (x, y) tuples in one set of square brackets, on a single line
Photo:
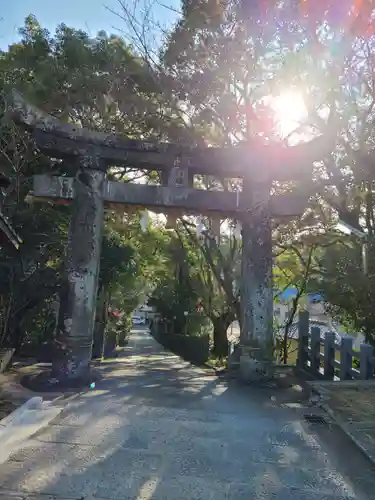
[(90, 193)]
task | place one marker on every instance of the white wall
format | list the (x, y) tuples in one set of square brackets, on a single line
[(316, 310)]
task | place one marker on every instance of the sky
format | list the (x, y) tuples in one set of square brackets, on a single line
[(89, 15)]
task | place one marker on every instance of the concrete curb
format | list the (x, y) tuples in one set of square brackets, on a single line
[(341, 424), (350, 435), (25, 421)]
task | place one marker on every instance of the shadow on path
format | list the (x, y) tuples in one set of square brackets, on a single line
[(156, 427)]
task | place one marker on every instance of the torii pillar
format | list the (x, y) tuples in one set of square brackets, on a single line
[(71, 362), (256, 291)]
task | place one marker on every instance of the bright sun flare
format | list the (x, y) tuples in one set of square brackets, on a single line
[(290, 111)]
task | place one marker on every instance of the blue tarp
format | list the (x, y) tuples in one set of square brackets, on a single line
[(290, 292)]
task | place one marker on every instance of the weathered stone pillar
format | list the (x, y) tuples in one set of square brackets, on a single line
[(256, 287), (74, 336)]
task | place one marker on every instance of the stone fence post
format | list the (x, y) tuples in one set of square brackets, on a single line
[(329, 355), (346, 358), (315, 350)]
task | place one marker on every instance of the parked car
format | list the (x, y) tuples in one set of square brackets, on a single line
[(137, 320)]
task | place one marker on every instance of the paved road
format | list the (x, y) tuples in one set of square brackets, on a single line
[(157, 428)]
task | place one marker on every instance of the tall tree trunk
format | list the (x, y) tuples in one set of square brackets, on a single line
[(100, 322), (287, 326)]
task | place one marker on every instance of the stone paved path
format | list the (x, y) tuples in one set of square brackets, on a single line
[(156, 428)]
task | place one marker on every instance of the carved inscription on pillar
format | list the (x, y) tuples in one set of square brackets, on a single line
[(84, 219), (83, 227), (179, 176), (256, 289)]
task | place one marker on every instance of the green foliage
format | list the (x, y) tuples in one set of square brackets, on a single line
[(96, 82), (174, 298), (349, 292), (117, 259), (219, 67)]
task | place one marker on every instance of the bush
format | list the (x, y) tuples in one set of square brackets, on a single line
[(356, 364), (123, 327), (117, 333)]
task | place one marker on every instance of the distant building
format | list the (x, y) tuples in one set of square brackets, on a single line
[(313, 303), (146, 312), (316, 307)]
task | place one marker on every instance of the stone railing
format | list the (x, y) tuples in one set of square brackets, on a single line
[(323, 356)]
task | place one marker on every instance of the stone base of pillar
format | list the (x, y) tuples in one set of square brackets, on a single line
[(254, 367)]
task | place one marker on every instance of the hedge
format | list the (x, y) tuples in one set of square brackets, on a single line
[(195, 349)]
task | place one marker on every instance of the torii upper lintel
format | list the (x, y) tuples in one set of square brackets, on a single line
[(253, 159)]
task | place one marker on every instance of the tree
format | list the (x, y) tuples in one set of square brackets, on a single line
[(348, 291), (294, 268), (96, 82), (174, 297), (348, 171), (214, 83), (215, 278), (222, 65), (126, 259)]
